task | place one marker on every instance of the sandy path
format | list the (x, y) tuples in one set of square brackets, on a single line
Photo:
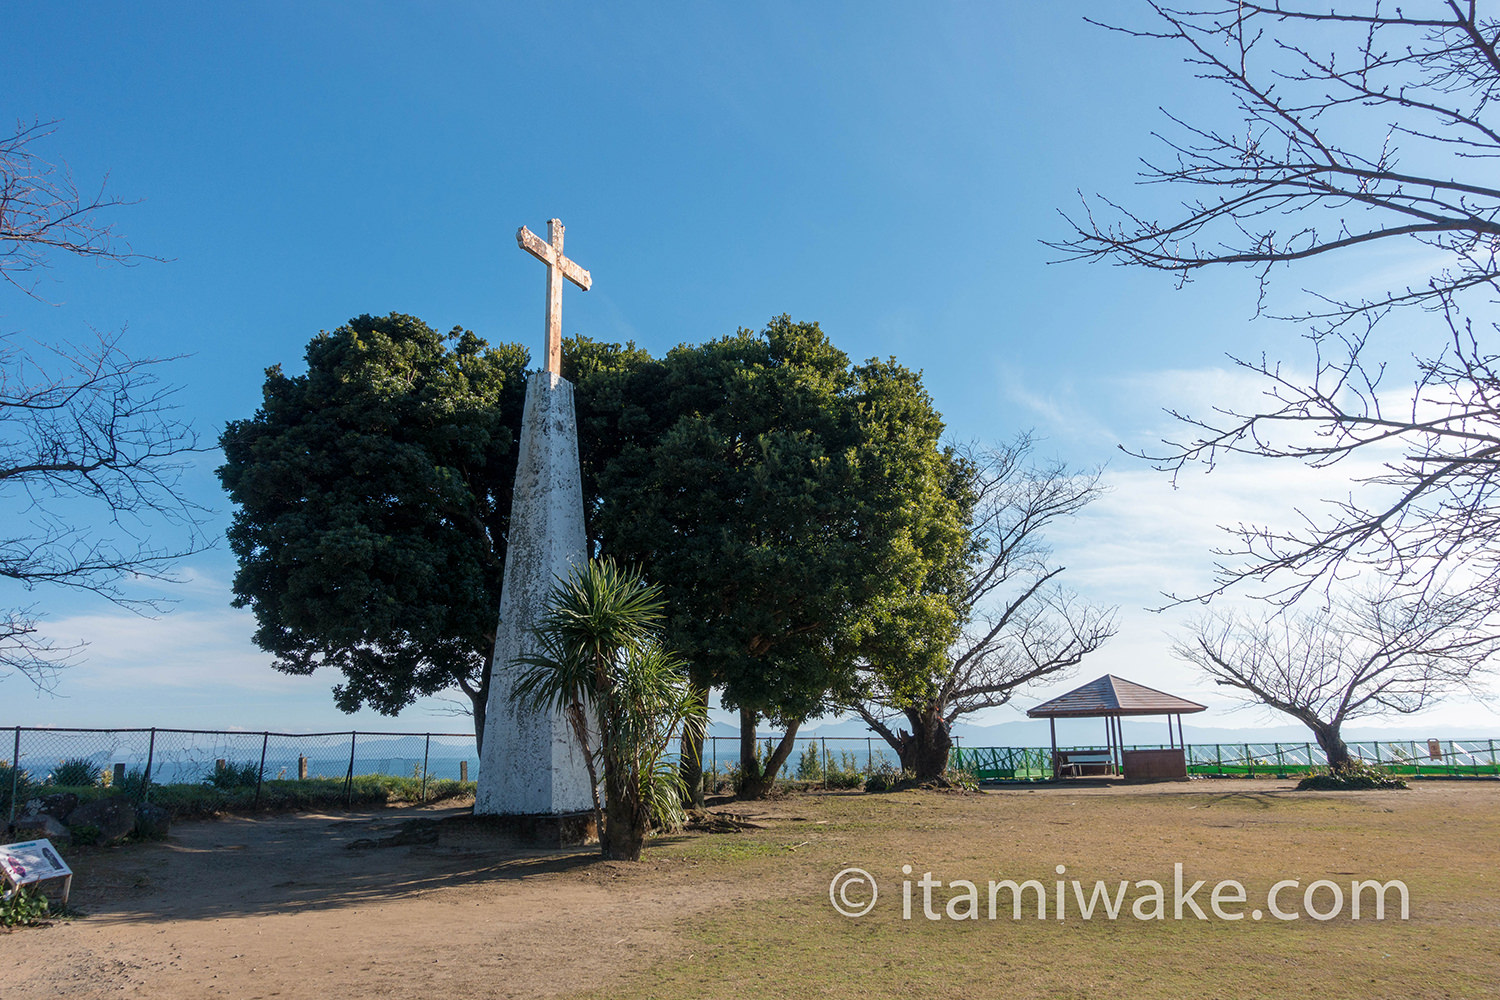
[(279, 907)]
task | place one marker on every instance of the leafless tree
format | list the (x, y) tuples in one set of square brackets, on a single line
[(1021, 625), (1354, 128), (91, 448), (1370, 653), (42, 212)]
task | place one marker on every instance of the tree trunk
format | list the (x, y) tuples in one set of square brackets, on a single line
[(624, 824), (478, 699), (691, 767), (1332, 744), (757, 777), (924, 751)]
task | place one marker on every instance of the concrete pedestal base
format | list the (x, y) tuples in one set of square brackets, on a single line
[(549, 830)]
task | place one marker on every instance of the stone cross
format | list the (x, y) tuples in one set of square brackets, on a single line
[(558, 267)]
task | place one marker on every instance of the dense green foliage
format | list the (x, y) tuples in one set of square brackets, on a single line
[(372, 497), (796, 509)]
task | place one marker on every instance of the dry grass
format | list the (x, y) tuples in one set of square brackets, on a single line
[(1442, 839)]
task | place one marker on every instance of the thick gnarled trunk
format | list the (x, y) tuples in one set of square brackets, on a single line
[(924, 751), (1332, 743), (757, 777)]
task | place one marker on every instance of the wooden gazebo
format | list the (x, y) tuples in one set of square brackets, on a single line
[(1111, 698)]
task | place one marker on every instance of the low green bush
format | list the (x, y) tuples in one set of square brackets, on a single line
[(22, 785), (186, 801), (1356, 775), (233, 775), (886, 777), (844, 774), (24, 907), (77, 772), (810, 764)]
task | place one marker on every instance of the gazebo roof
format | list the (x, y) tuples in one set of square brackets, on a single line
[(1111, 695)]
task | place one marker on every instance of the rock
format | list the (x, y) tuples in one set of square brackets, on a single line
[(152, 821), (113, 817), (40, 826), (59, 806)]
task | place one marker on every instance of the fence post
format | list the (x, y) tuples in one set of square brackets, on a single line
[(1377, 753), (463, 770), (349, 777), (1492, 753), (827, 763), (15, 775), (265, 739), (150, 760), (1219, 757), (714, 749), (301, 767), (870, 756), (426, 750)]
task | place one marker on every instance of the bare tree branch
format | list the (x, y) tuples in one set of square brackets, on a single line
[(1354, 128), (1368, 653), (91, 447), (1020, 625)]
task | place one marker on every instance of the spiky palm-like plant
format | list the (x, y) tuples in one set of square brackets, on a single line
[(599, 653)]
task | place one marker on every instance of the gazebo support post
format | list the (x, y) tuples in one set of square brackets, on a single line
[(1056, 773)]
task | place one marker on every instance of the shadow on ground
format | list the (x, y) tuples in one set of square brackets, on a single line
[(242, 866)]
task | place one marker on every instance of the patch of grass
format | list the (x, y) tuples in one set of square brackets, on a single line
[(776, 934)]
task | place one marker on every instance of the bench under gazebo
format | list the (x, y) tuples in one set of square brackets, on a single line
[(1111, 698)]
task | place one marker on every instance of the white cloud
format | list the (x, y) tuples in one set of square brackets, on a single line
[(1148, 537)]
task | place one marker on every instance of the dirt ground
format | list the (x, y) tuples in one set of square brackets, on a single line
[(280, 906)]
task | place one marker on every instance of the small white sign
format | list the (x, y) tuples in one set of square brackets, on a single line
[(32, 861)]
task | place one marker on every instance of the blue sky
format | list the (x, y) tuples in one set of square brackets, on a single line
[(887, 170)]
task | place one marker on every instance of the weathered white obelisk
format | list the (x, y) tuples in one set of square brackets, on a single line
[(531, 765)]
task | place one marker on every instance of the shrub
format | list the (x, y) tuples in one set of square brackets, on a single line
[(810, 765), (23, 908), (960, 778), (1352, 776), (846, 773), (233, 775), (886, 778), (77, 772), (133, 784), (22, 781)]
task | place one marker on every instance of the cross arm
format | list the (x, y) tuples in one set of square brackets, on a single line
[(535, 245), (547, 254), (574, 273)]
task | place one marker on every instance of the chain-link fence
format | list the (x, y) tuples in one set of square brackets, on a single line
[(142, 759)]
